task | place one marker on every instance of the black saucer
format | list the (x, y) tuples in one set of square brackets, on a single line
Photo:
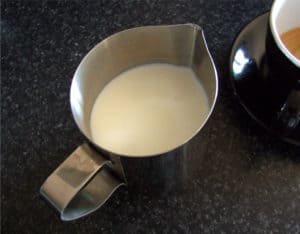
[(249, 76)]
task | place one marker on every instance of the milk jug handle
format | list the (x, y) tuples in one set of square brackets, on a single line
[(81, 184)]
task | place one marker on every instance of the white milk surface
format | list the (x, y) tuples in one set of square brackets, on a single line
[(149, 109)]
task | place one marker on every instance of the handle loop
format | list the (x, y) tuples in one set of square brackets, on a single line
[(81, 184)]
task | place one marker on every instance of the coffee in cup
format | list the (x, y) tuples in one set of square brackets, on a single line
[(291, 39)]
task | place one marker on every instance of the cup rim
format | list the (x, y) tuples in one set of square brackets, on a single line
[(273, 13)]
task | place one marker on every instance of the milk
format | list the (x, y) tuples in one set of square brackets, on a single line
[(149, 109)]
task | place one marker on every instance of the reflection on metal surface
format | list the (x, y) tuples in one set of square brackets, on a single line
[(78, 101)]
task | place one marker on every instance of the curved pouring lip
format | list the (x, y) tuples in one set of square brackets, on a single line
[(75, 90)]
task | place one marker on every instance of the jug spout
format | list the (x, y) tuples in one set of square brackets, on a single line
[(192, 41), (203, 64)]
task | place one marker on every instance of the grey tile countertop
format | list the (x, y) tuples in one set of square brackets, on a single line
[(240, 179)]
